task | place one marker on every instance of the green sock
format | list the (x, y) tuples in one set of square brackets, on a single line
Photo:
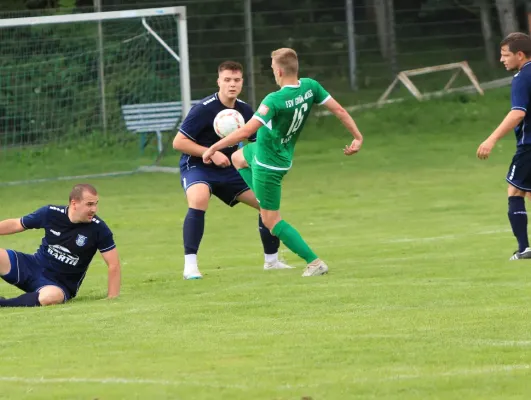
[(293, 241), (247, 175)]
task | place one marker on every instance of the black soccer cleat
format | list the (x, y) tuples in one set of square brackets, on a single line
[(526, 254)]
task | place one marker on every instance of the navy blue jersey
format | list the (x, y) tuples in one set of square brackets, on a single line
[(67, 248), (520, 97), (199, 127)]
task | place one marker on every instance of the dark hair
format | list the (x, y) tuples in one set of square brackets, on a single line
[(78, 191), (518, 41), (231, 66)]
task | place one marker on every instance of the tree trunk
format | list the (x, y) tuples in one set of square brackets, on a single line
[(391, 36), (507, 17), (381, 27), (486, 29)]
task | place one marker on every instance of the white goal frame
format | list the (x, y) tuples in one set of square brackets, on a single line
[(140, 14)]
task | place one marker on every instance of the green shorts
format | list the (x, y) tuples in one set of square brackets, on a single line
[(267, 183)]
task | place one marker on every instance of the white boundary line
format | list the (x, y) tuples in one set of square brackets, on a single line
[(148, 168), (491, 369)]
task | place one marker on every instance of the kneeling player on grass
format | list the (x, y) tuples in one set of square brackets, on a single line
[(279, 122), (72, 234), (220, 178)]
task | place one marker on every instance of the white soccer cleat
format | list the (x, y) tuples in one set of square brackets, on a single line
[(192, 273), (524, 255), (317, 267), (276, 265)]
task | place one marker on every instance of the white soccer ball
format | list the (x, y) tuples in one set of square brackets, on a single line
[(227, 121)]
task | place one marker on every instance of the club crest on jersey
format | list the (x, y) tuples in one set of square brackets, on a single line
[(81, 240), (263, 109)]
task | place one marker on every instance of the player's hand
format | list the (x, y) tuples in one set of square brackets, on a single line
[(485, 148), (354, 147), (220, 159), (207, 156)]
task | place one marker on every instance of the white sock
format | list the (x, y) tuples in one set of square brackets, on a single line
[(271, 258), (190, 261)]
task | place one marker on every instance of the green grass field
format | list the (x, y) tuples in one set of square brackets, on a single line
[(421, 301)]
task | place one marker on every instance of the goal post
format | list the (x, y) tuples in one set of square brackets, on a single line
[(51, 72)]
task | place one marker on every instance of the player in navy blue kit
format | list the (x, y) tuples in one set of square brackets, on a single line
[(219, 178), (72, 235), (516, 55)]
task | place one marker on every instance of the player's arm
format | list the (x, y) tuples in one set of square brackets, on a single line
[(187, 146), (10, 226), (337, 109), (191, 128), (511, 121), (112, 260), (238, 135), (519, 103), (35, 220)]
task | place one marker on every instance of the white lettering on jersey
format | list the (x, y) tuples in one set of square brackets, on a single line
[(62, 211), (209, 101), (308, 94), (63, 255)]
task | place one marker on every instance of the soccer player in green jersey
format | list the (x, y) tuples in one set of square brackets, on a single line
[(279, 121)]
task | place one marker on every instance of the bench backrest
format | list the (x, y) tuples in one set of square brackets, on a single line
[(153, 117)]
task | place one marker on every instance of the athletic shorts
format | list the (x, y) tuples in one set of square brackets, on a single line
[(27, 274), (267, 182), (224, 183), (519, 174)]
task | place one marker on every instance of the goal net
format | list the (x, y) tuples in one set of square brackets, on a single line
[(65, 79)]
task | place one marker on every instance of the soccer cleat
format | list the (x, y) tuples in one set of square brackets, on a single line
[(276, 265), (317, 267), (192, 273), (526, 254)]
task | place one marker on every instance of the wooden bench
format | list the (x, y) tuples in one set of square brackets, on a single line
[(153, 118)]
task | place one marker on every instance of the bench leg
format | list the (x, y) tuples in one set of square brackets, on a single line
[(142, 142), (159, 141)]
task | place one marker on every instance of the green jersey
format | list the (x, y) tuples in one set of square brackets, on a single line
[(283, 114)]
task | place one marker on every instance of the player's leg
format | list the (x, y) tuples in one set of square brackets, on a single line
[(268, 190), (518, 218), (519, 179), (50, 295), (197, 189), (22, 271), (270, 243), (241, 160)]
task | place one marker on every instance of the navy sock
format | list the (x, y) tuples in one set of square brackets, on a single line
[(193, 228), (271, 243), (26, 300), (518, 218)]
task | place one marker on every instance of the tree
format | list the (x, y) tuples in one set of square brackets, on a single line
[(507, 16)]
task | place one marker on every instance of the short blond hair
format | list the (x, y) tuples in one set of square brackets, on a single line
[(286, 59)]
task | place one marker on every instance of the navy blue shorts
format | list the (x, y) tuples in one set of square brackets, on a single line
[(519, 174), (27, 274), (226, 183)]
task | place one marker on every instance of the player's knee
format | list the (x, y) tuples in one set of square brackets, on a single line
[(198, 196), (50, 295), (238, 160), (5, 263), (270, 219)]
